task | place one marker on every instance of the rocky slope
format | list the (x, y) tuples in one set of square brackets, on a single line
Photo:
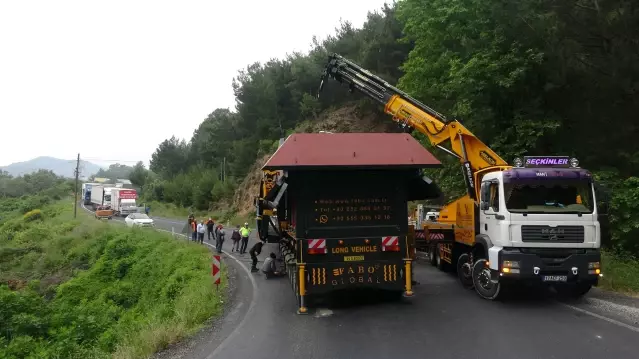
[(351, 118)]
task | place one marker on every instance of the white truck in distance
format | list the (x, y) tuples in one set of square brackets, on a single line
[(122, 201), (97, 196)]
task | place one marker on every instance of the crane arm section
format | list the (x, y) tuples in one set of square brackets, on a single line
[(476, 158)]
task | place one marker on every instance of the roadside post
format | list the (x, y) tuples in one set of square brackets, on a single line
[(216, 271)]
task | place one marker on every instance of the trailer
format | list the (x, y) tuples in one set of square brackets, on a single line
[(337, 206), (123, 201), (97, 196), (86, 192)]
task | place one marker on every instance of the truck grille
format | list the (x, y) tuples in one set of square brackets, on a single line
[(559, 234)]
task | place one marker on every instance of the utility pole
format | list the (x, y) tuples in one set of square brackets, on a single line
[(77, 174)]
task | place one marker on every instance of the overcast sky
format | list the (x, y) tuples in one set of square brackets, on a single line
[(113, 79)]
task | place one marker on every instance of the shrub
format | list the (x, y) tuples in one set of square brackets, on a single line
[(32, 215)]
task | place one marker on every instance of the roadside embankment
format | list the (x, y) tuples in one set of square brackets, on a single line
[(81, 288)]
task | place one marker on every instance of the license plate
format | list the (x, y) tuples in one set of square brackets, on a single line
[(555, 278), (353, 258)]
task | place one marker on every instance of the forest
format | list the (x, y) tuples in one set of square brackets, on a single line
[(529, 77)]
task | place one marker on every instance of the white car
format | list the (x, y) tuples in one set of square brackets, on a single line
[(138, 219)]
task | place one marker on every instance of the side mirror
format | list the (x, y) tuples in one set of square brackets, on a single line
[(484, 206)]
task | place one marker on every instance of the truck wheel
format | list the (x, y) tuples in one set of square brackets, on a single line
[(438, 259), (465, 271), (573, 290), (441, 264), (484, 286), (431, 255)]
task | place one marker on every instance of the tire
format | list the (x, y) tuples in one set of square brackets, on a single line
[(439, 263), (465, 271), (484, 287), (573, 290), (431, 255)]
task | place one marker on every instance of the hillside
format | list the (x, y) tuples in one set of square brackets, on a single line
[(522, 89), (60, 167), (349, 118), (82, 288)]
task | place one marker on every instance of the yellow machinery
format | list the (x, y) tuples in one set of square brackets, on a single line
[(549, 237)]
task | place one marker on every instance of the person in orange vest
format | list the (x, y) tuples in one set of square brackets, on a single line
[(194, 230)]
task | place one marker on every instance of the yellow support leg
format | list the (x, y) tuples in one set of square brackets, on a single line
[(409, 278), (302, 282)]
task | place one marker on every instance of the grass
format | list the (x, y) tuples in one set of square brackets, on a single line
[(621, 274), (82, 288)]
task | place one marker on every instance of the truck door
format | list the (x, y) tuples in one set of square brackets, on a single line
[(491, 213)]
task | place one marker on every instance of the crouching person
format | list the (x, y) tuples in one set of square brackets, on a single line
[(270, 268)]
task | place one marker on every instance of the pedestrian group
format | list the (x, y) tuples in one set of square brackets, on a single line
[(240, 238)]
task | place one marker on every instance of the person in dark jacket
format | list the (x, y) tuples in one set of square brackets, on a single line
[(210, 224), (236, 239), (254, 252), (219, 238)]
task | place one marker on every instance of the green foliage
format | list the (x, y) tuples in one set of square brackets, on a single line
[(534, 77), (528, 77), (45, 183), (272, 98), (32, 215), (621, 272), (115, 171), (87, 289)]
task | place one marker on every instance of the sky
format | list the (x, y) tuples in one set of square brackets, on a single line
[(112, 79)]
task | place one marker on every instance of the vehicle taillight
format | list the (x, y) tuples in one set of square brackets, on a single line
[(316, 246), (390, 248), (390, 244)]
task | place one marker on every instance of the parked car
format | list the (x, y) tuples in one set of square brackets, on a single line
[(103, 212), (138, 219)]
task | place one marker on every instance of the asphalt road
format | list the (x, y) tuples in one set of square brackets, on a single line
[(443, 320)]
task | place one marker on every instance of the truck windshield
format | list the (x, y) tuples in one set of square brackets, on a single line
[(549, 197)]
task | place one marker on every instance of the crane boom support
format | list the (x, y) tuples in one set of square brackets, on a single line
[(477, 159)]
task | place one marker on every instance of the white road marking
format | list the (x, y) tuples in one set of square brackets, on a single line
[(250, 310), (599, 316)]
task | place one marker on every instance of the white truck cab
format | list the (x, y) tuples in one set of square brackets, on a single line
[(539, 223)]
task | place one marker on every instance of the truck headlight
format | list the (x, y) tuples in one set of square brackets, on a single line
[(510, 267), (594, 268), (510, 264)]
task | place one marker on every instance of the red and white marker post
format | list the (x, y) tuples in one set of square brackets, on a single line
[(216, 270)]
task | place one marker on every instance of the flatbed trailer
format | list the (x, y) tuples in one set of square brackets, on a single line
[(337, 206)]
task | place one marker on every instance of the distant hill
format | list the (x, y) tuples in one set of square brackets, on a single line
[(58, 166)]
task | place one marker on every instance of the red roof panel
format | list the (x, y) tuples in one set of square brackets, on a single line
[(352, 150)]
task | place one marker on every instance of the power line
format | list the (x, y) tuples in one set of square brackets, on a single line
[(105, 160)]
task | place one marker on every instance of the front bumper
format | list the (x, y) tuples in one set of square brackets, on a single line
[(536, 264)]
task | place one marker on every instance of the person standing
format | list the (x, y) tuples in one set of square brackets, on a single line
[(201, 228), (219, 242), (209, 229), (193, 230), (244, 232), (254, 252), (236, 239)]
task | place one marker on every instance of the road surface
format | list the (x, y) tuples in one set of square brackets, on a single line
[(442, 321)]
